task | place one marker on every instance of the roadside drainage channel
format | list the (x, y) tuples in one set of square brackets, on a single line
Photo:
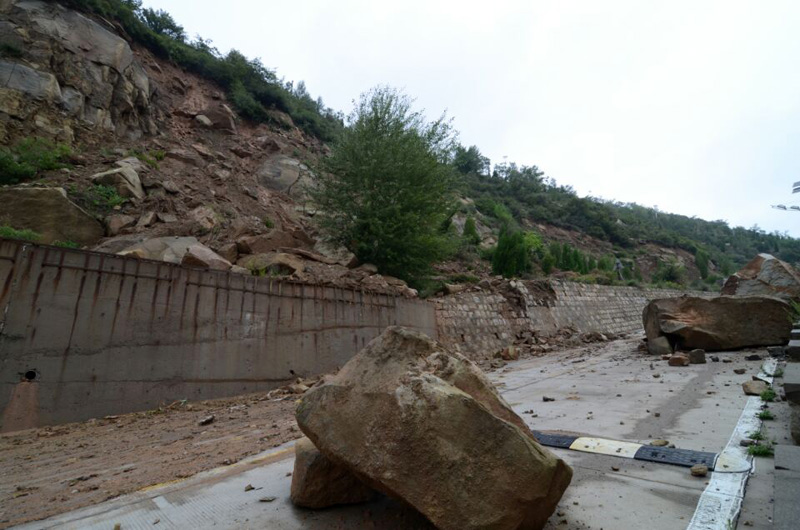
[(721, 501)]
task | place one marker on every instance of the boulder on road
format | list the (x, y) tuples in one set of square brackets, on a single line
[(319, 483), (754, 388), (721, 323), (765, 275), (425, 425), (697, 356)]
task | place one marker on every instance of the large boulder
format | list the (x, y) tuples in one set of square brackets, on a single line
[(202, 257), (49, 212), (285, 174), (124, 179), (319, 483), (765, 275), (269, 242), (169, 249), (419, 423), (721, 323), (272, 264)]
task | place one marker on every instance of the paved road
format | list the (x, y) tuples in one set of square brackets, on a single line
[(611, 392)]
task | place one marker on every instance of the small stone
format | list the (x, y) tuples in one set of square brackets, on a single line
[(267, 499), (727, 360), (614, 468), (656, 376), (249, 487), (697, 356), (546, 399), (207, 420), (754, 357), (699, 470), (679, 360), (754, 388), (739, 371), (714, 359), (746, 442), (659, 443), (657, 414)]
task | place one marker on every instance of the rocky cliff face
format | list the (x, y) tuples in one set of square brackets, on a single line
[(62, 72), (189, 180)]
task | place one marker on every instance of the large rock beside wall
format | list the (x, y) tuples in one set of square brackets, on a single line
[(49, 212), (765, 275), (419, 423), (479, 323), (68, 71), (721, 323)]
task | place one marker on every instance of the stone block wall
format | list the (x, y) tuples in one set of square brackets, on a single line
[(480, 323)]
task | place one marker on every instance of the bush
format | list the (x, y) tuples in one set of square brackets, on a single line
[(547, 263), (386, 189)]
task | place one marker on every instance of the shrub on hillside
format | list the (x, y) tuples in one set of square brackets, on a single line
[(511, 257), (30, 156)]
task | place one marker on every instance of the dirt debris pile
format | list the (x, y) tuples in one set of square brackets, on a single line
[(419, 423)]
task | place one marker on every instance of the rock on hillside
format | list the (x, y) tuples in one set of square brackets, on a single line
[(765, 275)]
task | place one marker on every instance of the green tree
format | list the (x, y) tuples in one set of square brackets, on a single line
[(701, 258), (512, 256), (387, 187)]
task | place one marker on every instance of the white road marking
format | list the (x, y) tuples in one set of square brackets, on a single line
[(721, 501)]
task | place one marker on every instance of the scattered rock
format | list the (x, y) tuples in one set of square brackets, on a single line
[(659, 346), (546, 399), (697, 357), (398, 412), (249, 487), (721, 323), (739, 371), (509, 353), (269, 242), (699, 470), (207, 420), (319, 483), (754, 357), (679, 360), (714, 359), (267, 499), (659, 443), (117, 222), (754, 388), (272, 264)]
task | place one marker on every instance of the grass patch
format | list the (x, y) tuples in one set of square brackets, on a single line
[(8, 232), (98, 198), (765, 415), (151, 158), (757, 435), (26, 159), (761, 450), (768, 395), (778, 373), (66, 243)]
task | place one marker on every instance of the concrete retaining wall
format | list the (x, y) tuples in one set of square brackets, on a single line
[(99, 334), (482, 323)]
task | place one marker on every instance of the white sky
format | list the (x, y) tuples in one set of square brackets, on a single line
[(691, 106)]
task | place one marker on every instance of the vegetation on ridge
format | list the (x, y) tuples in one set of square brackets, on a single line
[(254, 89)]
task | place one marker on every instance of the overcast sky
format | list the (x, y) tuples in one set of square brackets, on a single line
[(690, 106)]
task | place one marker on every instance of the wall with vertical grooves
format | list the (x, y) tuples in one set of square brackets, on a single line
[(107, 334)]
